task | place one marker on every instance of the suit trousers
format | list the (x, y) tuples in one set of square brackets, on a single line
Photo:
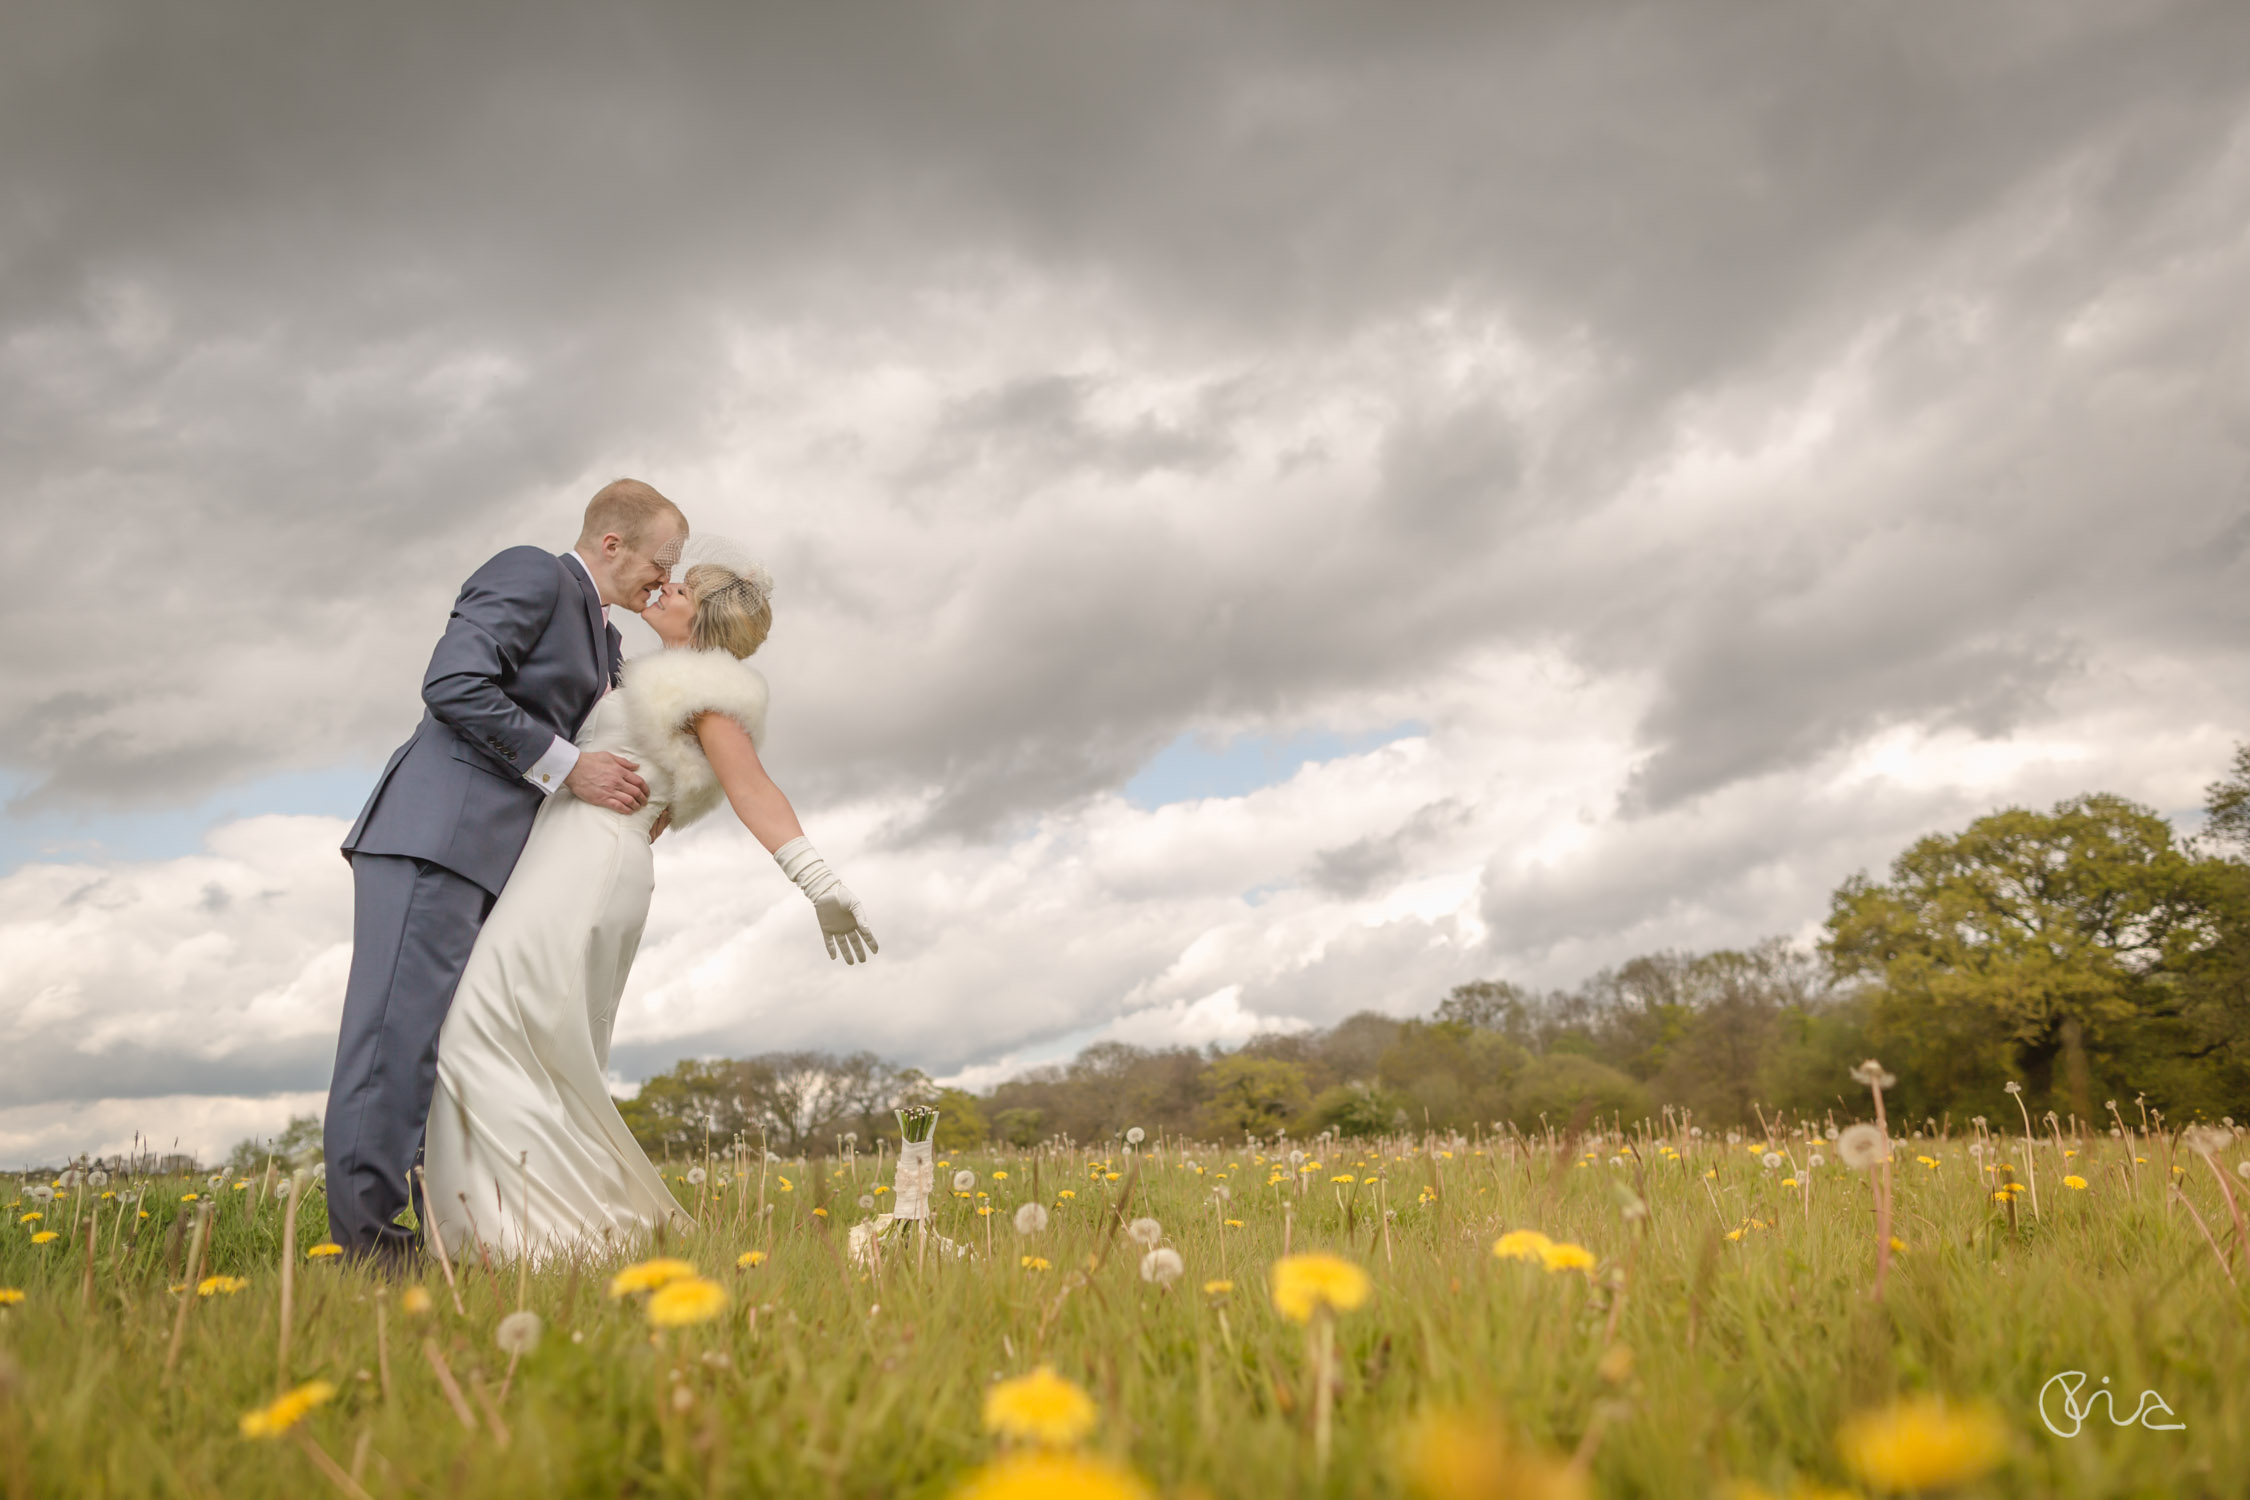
[(413, 926)]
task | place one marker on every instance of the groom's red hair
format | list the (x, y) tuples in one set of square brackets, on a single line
[(628, 508)]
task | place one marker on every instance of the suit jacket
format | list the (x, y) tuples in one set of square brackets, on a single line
[(524, 658)]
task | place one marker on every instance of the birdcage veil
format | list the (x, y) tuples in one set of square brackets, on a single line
[(729, 573)]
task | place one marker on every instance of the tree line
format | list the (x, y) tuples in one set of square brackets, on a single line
[(2090, 953)]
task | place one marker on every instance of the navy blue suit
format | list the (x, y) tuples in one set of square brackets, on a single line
[(524, 659)]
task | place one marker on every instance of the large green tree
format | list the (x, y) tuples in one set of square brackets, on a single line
[(2060, 948)]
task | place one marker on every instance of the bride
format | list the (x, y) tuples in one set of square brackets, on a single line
[(525, 1151)]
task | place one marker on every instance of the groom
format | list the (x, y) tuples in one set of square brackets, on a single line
[(522, 662)]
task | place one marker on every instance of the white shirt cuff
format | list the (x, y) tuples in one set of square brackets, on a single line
[(548, 771)]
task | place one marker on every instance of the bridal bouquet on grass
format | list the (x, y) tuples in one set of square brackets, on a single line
[(911, 1186)]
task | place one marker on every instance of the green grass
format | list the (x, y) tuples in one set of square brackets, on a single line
[(824, 1379)]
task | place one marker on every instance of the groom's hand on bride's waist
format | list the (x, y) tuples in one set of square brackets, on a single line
[(607, 780)]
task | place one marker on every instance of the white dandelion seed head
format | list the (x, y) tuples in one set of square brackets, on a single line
[(1135, 1136), (1295, 1156), (2242, 1168), (1695, 1132), (1862, 1146), (866, 1200), (2115, 1133), (2013, 1087), (215, 1178), (1031, 1218), (2205, 1140), (964, 1180), (98, 1177), (283, 1188), (696, 1176), (1144, 1232), (1162, 1266), (1617, 1161), (1817, 1159), (42, 1192), (1979, 1122), (851, 1137), (1870, 1074), (1220, 1191), (1772, 1159), (518, 1332)]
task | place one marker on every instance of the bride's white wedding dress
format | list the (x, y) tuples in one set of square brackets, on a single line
[(525, 1150)]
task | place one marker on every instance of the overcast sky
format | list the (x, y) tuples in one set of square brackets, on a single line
[(1278, 508)]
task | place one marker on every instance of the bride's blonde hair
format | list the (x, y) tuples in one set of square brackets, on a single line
[(731, 612)]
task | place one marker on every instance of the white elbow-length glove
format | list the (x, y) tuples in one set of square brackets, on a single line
[(841, 922)]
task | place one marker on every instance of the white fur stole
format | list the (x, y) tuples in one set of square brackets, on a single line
[(664, 693)]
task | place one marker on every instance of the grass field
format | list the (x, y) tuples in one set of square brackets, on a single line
[(1719, 1342)]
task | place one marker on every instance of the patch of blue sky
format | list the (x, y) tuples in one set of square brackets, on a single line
[(33, 835), (1197, 765)]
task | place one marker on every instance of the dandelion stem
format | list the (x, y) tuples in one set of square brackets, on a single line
[(448, 1384), (187, 1299), (288, 1278), (383, 1346), (431, 1233), (328, 1467), (1324, 1394)]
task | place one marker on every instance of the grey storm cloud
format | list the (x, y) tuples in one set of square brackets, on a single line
[(303, 311)]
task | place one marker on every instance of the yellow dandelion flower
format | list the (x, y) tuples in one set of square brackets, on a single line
[(1898, 1246), (1449, 1456), (1369, 1181), (648, 1275), (1922, 1443), (1066, 1193), (1041, 1407), (220, 1286), (1734, 1234), (1041, 1475), (1109, 1176), (416, 1300), (1567, 1257), (1712, 1173), (691, 1299), (323, 1250), (242, 1187), (45, 1236), (189, 1197), (999, 1177), (1788, 1182), (1234, 1223), (1037, 1263), (750, 1260), (10, 1296), (1521, 1244), (2075, 1182), (285, 1412), (1217, 1288), (786, 1185), (1344, 1177), (1304, 1284), (31, 1218)]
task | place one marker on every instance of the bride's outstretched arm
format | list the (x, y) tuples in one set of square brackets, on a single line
[(751, 792), (773, 822)]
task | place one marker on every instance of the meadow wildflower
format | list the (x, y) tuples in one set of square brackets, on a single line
[(1210, 1288), (1922, 1443), (964, 1180), (1305, 1284), (1041, 1407), (1042, 1475), (648, 1276), (1449, 1456), (219, 1286), (1031, 1218), (1162, 1266), (45, 1237), (1037, 1263), (1521, 1244), (1135, 1136), (1144, 1232), (31, 1218), (1862, 1146), (323, 1250), (696, 1177), (285, 1412), (10, 1296), (1770, 1160), (2075, 1182), (518, 1332), (786, 1185), (750, 1260), (416, 1301), (1567, 1257), (690, 1299), (1234, 1223)]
